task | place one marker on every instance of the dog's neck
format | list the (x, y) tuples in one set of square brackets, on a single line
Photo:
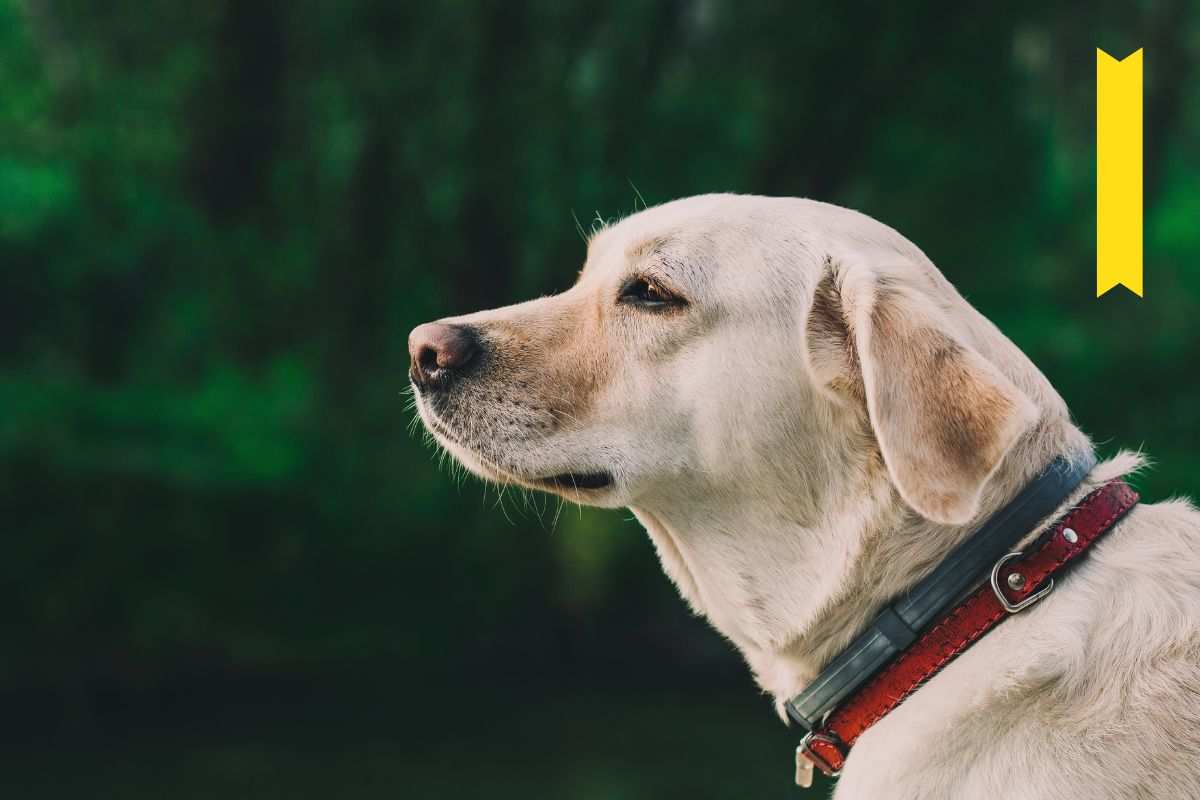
[(792, 577)]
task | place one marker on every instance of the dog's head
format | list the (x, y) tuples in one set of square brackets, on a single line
[(728, 340)]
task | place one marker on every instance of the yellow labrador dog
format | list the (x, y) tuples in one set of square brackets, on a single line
[(807, 417)]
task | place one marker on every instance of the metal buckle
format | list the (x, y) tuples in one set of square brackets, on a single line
[(807, 758), (1013, 608)]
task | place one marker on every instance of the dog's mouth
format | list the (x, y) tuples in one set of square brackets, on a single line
[(577, 480), (583, 481)]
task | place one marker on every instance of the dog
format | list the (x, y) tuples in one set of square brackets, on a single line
[(806, 417)]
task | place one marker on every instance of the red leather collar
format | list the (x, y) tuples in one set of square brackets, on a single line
[(1017, 581)]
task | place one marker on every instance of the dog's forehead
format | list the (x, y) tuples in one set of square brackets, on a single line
[(754, 235), (640, 230), (693, 225)]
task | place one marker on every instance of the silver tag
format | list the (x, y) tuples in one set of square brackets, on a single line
[(804, 769)]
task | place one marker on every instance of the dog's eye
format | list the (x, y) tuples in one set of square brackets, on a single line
[(645, 293)]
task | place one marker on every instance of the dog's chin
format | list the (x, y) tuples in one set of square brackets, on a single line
[(587, 486), (584, 485)]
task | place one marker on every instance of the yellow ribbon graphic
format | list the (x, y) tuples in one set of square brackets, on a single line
[(1118, 172)]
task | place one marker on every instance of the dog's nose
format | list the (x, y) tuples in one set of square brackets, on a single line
[(438, 350)]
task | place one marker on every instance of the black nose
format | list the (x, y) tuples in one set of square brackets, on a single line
[(438, 351)]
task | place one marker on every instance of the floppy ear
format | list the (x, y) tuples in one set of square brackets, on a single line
[(942, 415)]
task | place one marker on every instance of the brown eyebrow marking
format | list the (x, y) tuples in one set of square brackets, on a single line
[(641, 250), (646, 247), (665, 258)]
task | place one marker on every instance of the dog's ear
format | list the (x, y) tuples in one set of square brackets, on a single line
[(942, 415)]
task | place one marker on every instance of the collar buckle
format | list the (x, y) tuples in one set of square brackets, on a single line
[(1010, 607), (807, 758)]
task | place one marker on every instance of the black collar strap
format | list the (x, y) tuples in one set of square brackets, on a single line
[(900, 623)]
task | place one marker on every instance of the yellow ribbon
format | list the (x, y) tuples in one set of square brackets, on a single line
[(1118, 172)]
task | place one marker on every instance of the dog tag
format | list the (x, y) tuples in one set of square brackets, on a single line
[(804, 769)]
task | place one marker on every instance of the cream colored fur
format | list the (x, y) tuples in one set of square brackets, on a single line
[(820, 424)]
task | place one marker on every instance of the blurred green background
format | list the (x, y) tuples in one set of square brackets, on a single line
[(229, 567)]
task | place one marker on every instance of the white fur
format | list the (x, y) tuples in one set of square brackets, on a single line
[(788, 480)]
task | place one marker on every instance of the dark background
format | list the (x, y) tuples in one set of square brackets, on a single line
[(230, 568)]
